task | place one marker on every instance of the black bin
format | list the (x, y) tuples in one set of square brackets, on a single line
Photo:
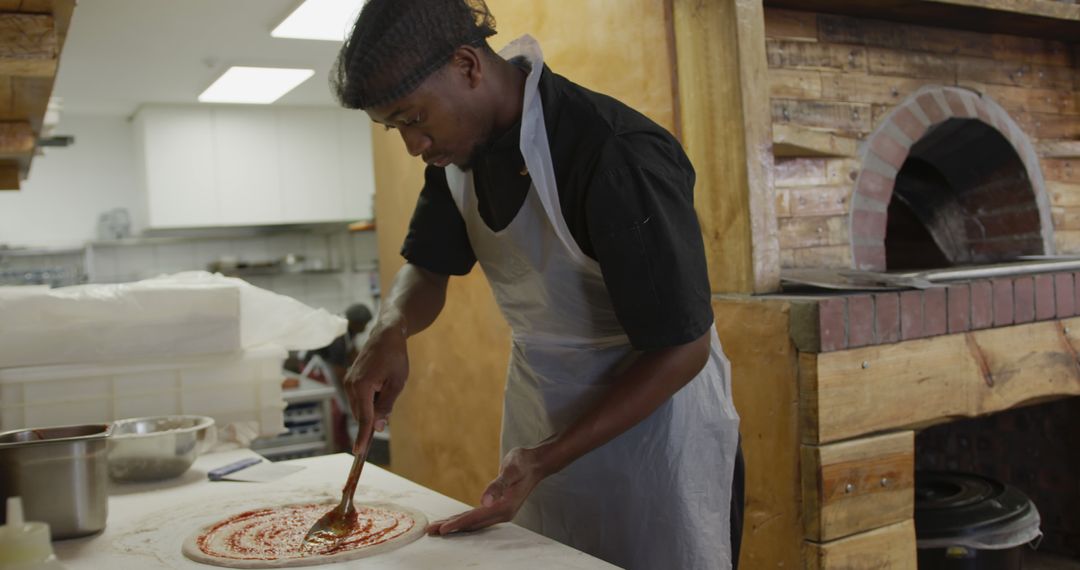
[(970, 522)]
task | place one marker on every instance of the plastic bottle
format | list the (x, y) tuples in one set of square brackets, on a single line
[(25, 545)]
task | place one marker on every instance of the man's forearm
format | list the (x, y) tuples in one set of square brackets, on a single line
[(416, 298), (638, 391)]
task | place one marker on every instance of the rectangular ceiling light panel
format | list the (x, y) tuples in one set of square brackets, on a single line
[(328, 20), (261, 85)]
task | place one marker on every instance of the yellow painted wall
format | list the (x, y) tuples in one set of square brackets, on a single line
[(445, 428)]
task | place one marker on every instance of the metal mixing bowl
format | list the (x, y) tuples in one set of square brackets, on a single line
[(158, 447)]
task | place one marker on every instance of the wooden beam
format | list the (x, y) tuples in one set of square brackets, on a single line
[(815, 200), (794, 84), (821, 256), (815, 56), (813, 231), (724, 113), (28, 45), (891, 547), (882, 34), (1063, 194), (754, 333), (17, 143), (32, 34), (858, 485), (805, 172), (1063, 170), (61, 11), (9, 175), (29, 100), (1046, 8), (16, 138), (1058, 149), (790, 25), (873, 89), (916, 383), (795, 141), (843, 118), (1046, 19)]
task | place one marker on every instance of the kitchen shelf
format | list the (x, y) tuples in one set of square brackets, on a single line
[(218, 234), (40, 252), (273, 272)]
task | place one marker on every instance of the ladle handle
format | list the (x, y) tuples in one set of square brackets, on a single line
[(354, 473)]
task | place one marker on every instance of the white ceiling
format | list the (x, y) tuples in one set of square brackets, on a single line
[(122, 53)]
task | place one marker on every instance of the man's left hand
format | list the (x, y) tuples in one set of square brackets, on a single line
[(519, 474)]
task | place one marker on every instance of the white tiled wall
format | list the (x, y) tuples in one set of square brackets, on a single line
[(354, 254)]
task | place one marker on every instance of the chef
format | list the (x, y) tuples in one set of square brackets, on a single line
[(619, 433)]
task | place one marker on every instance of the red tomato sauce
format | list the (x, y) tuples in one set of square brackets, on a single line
[(278, 533)]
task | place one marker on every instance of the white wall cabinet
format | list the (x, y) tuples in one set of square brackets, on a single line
[(246, 180), (239, 166)]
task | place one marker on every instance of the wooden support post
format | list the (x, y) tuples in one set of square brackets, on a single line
[(754, 333), (891, 547), (724, 114), (858, 485)]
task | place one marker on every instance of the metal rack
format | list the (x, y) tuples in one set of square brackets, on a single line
[(308, 420)]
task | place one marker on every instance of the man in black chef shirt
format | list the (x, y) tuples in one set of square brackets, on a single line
[(580, 211)]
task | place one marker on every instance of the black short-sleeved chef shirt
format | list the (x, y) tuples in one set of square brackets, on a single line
[(626, 190)]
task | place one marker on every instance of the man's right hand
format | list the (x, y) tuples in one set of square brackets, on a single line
[(378, 374), (377, 377)]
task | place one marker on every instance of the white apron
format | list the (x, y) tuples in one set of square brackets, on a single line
[(656, 497)]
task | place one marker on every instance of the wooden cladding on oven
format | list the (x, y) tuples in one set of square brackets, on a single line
[(855, 486), (860, 391), (890, 547)]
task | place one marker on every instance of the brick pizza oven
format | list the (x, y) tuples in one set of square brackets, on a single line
[(925, 168), (948, 178)]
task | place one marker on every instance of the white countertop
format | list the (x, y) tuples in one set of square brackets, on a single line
[(148, 522)]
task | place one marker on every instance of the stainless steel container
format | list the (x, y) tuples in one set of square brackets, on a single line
[(159, 447), (61, 473)]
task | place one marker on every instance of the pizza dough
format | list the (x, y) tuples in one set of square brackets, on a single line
[(274, 537)]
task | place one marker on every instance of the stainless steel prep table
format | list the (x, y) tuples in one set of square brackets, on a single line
[(148, 522)]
